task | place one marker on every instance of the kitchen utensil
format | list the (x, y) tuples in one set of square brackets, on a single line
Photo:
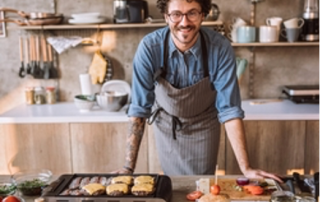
[(38, 72), (98, 68), (275, 21), (291, 34), (109, 73), (32, 15), (112, 100), (22, 71), (53, 72), (87, 21), (246, 34), (294, 23), (117, 85), (303, 188), (46, 66), (27, 51), (85, 15), (268, 34), (32, 56), (84, 102), (35, 22)]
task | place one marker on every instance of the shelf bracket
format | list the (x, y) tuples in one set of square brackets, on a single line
[(251, 72)]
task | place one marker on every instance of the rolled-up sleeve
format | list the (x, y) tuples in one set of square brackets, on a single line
[(228, 102)]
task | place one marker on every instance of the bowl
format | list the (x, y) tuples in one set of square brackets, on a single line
[(84, 102), (31, 182), (7, 188), (112, 100)]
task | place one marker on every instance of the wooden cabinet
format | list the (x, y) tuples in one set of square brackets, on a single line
[(31, 146), (279, 146), (100, 147)]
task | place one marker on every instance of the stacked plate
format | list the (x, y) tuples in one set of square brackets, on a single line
[(86, 18)]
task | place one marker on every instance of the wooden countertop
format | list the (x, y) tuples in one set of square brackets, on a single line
[(66, 112)]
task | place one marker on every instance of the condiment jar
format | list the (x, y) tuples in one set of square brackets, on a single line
[(29, 93), (50, 95), (39, 95)]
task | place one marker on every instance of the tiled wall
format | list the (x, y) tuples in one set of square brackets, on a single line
[(273, 66)]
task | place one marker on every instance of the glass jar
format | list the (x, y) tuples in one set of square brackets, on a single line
[(50, 95), (39, 95), (29, 94)]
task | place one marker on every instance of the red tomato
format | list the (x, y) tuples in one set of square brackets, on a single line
[(215, 189), (194, 195), (1, 198), (11, 199)]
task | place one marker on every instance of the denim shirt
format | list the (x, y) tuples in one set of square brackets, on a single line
[(185, 69)]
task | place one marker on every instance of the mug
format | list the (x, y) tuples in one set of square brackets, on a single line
[(294, 23), (238, 21), (233, 35), (275, 21), (292, 34), (268, 34), (246, 34)]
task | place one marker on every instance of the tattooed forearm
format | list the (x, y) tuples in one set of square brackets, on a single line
[(136, 129)]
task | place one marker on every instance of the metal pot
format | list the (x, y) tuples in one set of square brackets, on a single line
[(214, 13)]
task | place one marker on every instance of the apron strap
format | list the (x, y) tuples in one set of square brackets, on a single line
[(176, 123)]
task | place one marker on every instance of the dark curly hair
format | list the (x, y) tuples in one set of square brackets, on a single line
[(205, 5)]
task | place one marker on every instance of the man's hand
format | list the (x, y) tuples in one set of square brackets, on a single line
[(122, 171), (260, 174)]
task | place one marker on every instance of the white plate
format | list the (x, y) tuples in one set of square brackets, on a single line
[(117, 85), (87, 21), (85, 15)]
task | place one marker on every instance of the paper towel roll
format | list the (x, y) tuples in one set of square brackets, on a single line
[(85, 82)]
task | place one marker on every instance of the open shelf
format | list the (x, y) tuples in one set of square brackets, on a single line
[(104, 26), (275, 44)]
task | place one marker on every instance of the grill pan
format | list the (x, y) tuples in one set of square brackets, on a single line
[(162, 193)]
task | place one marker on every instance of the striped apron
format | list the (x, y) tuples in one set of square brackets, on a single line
[(186, 127)]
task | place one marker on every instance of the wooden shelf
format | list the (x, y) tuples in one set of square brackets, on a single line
[(104, 26), (275, 44)]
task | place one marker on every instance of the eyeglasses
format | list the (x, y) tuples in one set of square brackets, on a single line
[(177, 16)]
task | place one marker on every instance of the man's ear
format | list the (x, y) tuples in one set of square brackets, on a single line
[(166, 17)]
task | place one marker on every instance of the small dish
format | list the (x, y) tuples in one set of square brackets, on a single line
[(79, 16), (87, 21), (7, 188), (31, 182), (84, 102)]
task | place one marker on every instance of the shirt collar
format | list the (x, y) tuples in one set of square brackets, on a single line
[(195, 49)]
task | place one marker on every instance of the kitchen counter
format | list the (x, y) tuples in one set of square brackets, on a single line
[(66, 112), (181, 186)]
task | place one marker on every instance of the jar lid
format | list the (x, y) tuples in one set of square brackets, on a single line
[(50, 88)]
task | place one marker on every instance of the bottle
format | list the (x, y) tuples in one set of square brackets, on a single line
[(50, 95), (29, 93), (39, 95)]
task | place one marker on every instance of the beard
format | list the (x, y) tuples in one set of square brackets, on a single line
[(185, 38)]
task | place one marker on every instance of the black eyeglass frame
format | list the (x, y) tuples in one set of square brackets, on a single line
[(184, 14)]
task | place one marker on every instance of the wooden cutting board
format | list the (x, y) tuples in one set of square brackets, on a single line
[(227, 187)]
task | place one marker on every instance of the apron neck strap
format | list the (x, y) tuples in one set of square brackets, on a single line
[(163, 70)]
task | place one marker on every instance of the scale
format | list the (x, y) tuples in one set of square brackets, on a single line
[(302, 93)]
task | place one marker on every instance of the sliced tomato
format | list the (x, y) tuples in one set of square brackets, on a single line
[(194, 195), (254, 189)]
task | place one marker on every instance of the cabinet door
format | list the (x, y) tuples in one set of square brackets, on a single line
[(274, 146), (312, 147), (31, 146), (100, 147), (154, 163)]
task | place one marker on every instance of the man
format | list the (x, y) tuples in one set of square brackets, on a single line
[(184, 82)]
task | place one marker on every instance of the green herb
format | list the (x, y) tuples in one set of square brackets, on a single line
[(237, 187), (7, 189), (31, 187)]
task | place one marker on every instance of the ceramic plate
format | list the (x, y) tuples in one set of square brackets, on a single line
[(79, 16), (87, 21), (117, 85)]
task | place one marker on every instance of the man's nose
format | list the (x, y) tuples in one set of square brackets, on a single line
[(185, 19)]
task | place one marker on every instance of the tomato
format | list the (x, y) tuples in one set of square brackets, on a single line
[(194, 195), (10, 199), (1, 198), (215, 189), (254, 189)]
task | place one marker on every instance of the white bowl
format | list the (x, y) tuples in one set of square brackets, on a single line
[(93, 15), (84, 102), (112, 100)]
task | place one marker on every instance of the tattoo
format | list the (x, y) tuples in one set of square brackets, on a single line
[(136, 129)]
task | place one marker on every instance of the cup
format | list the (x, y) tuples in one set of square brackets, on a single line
[(246, 34), (292, 34), (268, 34), (233, 35), (236, 22), (294, 23), (275, 21)]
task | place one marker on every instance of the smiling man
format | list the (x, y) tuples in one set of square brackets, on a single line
[(184, 82)]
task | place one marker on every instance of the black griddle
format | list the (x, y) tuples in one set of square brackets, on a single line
[(302, 93), (163, 190)]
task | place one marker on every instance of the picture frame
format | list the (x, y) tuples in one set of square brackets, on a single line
[(2, 25)]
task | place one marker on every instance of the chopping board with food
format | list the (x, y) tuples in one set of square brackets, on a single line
[(233, 189)]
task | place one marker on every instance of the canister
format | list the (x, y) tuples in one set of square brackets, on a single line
[(50, 95), (39, 95), (29, 94)]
